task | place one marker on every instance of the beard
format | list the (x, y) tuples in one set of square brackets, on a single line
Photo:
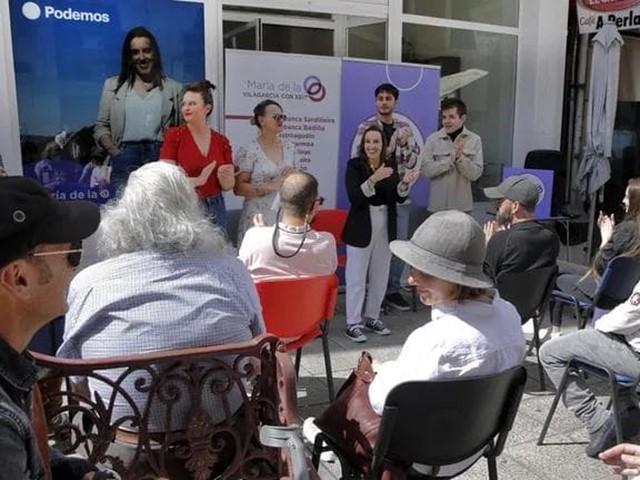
[(503, 219)]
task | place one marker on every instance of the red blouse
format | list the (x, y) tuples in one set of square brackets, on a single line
[(180, 147)]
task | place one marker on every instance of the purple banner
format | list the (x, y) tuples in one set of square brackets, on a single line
[(544, 181), (417, 106)]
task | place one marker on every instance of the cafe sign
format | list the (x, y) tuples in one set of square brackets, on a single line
[(593, 14)]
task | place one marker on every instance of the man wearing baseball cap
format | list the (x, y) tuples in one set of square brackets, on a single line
[(40, 246), (515, 241)]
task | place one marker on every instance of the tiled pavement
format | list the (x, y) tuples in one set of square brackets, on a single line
[(563, 457)]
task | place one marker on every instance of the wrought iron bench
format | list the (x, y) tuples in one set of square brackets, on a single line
[(191, 413)]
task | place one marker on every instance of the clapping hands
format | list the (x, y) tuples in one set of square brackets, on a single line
[(606, 224), (381, 173), (410, 176)]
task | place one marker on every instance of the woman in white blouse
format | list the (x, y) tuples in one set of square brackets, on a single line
[(262, 165)]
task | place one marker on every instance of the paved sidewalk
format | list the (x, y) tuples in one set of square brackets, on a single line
[(562, 458)]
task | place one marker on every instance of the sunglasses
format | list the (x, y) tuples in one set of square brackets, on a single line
[(320, 200), (279, 117), (74, 254)]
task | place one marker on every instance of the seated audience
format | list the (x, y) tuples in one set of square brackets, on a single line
[(614, 343), (622, 239), (515, 241), (472, 331), (40, 246), (167, 282), (291, 248)]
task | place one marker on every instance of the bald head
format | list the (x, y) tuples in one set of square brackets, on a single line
[(298, 193)]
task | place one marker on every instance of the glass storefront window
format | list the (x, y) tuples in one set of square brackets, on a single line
[(495, 12), (289, 39), (490, 100), (367, 41)]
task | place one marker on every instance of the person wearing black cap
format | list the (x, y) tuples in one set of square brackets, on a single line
[(40, 246), (515, 241)]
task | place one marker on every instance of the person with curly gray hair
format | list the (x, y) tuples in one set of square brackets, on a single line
[(168, 279)]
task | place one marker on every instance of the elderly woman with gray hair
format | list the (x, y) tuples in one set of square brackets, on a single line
[(472, 331), (167, 281)]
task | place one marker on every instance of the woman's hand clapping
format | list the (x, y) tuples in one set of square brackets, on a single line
[(606, 224), (381, 173)]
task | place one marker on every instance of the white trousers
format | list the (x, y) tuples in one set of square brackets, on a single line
[(368, 266)]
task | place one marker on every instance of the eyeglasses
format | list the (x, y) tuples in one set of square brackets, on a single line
[(74, 254), (320, 200), (279, 117)]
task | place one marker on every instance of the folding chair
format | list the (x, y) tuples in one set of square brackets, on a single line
[(615, 381), (300, 308), (619, 278), (529, 292), (439, 423)]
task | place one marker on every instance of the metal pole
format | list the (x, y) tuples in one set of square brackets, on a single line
[(592, 216), (581, 86)]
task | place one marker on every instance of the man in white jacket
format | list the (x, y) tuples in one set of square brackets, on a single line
[(613, 344)]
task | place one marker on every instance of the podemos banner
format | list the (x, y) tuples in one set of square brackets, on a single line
[(63, 52)]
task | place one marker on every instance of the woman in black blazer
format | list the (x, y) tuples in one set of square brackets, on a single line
[(374, 188)]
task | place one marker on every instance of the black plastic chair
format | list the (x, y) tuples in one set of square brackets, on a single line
[(439, 423), (529, 292), (619, 278)]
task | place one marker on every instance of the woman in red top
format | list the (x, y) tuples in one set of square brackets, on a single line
[(204, 154)]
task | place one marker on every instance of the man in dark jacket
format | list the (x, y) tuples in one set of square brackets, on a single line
[(515, 241), (40, 246)]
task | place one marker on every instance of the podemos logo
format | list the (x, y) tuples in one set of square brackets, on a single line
[(32, 11)]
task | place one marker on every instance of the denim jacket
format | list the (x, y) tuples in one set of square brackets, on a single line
[(18, 447)]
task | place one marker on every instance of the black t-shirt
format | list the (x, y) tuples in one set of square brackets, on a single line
[(525, 246), (388, 129)]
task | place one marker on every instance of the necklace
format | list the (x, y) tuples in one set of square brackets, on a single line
[(372, 167)]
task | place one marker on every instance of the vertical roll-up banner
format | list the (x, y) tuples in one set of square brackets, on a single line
[(416, 107), (308, 89), (63, 52)]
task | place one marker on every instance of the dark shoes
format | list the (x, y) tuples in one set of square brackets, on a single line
[(398, 302), (605, 437), (602, 439)]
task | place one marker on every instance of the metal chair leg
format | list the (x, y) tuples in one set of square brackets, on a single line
[(493, 468), (298, 358), (536, 341), (327, 363), (554, 405)]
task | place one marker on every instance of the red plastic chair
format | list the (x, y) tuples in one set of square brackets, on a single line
[(333, 221), (300, 307)]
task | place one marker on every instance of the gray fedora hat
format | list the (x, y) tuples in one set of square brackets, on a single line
[(448, 245)]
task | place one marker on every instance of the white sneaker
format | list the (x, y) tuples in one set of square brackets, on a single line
[(309, 432)]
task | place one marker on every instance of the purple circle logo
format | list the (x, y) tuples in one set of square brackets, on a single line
[(314, 88)]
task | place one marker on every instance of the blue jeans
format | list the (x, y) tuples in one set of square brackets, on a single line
[(397, 265), (131, 157), (217, 210)]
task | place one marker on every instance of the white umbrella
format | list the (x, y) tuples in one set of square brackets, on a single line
[(595, 169), (451, 83)]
